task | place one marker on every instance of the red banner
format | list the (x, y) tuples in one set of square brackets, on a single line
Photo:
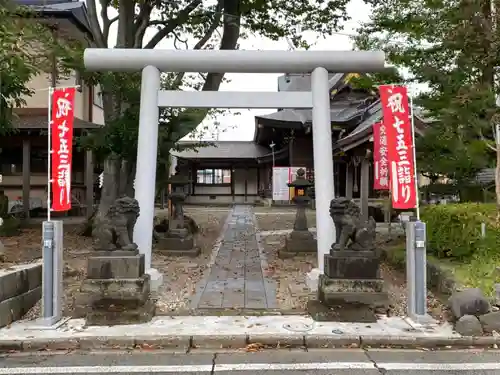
[(62, 146), (396, 114), (380, 161)]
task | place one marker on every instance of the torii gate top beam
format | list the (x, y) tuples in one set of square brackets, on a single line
[(232, 61)]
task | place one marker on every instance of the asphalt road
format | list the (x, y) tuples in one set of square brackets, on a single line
[(271, 362)]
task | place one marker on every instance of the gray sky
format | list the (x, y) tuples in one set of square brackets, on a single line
[(241, 127)]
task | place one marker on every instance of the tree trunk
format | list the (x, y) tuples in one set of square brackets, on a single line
[(109, 192), (126, 179), (112, 105)]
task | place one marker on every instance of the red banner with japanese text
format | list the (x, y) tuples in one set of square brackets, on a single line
[(62, 146), (380, 161), (396, 114)]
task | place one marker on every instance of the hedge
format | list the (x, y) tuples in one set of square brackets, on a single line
[(454, 230)]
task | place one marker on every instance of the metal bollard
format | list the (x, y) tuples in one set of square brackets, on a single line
[(416, 268), (52, 282), (48, 273), (57, 270), (420, 269)]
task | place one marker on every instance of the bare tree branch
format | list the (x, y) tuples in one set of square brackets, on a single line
[(173, 24), (230, 36), (100, 41), (201, 43), (142, 23), (106, 22), (486, 141), (215, 24), (177, 38), (229, 41)]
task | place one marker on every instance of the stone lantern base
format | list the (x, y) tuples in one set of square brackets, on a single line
[(178, 242), (353, 278), (298, 242), (116, 291)]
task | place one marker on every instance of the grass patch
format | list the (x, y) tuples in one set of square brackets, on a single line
[(455, 242), (481, 271)]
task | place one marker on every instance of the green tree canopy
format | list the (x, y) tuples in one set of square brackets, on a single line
[(24, 52), (451, 46), (210, 25)]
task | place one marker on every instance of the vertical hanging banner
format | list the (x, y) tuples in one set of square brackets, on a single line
[(398, 126), (62, 146), (380, 161)]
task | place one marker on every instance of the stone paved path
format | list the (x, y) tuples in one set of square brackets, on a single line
[(236, 279)]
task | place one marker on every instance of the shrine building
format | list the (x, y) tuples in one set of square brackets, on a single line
[(227, 172)]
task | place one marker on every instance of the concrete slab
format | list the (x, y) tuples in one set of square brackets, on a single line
[(218, 325)]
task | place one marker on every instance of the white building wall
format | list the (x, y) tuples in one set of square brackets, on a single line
[(40, 85)]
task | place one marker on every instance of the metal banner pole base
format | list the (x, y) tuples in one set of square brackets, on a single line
[(416, 272), (52, 279)]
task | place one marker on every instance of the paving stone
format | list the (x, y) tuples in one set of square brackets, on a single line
[(254, 277), (215, 286), (233, 299), (218, 274), (236, 278), (211, 300)]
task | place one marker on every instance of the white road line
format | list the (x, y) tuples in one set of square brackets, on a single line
[(440, 366), (250, 367), (186, 368), (293, 366)]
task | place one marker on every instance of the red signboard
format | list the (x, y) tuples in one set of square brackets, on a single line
[(396, 114), (380, 161), (62, 147)]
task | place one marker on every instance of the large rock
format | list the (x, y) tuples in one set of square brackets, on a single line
[(468, 302), (490, 321), (469, 325)]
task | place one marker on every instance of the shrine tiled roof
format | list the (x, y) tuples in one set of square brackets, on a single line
[(74, 10), (372, 115), (223, 150)]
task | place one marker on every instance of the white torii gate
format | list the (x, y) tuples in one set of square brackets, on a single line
[(154, 61)]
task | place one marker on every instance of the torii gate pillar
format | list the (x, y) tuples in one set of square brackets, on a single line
[(152, 62)]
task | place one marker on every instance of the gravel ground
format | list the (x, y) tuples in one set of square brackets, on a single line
[(280, 218), (292, 291), (289, 274), (180, 274)]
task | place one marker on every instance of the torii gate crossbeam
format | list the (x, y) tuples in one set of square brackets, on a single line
[(152, 62)]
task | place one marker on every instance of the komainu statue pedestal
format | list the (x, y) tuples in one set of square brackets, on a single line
[(352, 269), (117, 289)]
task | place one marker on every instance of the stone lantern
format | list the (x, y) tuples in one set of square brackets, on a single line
[(300, 240), (178, 240)]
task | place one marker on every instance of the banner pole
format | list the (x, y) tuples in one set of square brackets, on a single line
[(412, 119), (49, 149)]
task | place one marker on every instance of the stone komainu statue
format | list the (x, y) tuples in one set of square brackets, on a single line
[(115, 230), (352, 232)]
